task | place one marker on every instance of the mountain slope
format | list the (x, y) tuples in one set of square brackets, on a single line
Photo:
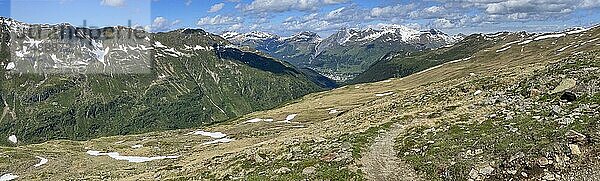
[(100, 87), (347, 52), (400, 64), (498, 115)]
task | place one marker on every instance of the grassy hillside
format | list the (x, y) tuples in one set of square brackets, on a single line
[(401, 64), (196, 89), (496, 116)]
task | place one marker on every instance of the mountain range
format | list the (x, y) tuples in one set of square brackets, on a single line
[(345, 54), (66, 82), (502, 106)]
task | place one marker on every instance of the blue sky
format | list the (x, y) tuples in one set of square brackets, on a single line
[(286, 17)]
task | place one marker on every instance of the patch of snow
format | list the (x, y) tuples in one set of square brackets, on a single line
[(209, 134), (503, 49), (290, 117), (159, 45), (7, 177), (137, 146), (42, 161), (222, 140), (119, 142), (478, 92), (563, 48), (256, 120), (333, 111), (13, 139), (384, 94), (10, 66), (133, 159), (525, 42), (385, 81), (510, 43), (549, 36), (576, 31)]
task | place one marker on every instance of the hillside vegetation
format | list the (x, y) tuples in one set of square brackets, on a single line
[(529, 111)]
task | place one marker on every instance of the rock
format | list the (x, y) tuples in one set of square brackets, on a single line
[(575, 137), (282, 170), (309, 170), (478, 151), (543, 161), (534, 93), (549, 176), (517, 156), (575, 149), (556, 109), (329, 157), (523, 174), (473, 174), (512, 172), (258, 158), (564, 85), (568, 96), (486, 170)]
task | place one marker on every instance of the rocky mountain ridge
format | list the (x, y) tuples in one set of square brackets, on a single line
[(346, 53)]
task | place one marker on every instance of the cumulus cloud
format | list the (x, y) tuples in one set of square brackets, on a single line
[(443, 24), (216, 7), (286, 5), (163, 24), (392, 11), (219, 20), (113, 3)]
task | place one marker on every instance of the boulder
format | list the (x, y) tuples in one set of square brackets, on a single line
[(568, 96)]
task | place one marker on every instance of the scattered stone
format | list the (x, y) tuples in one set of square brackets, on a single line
[(543, 161), (535, 93), (478, 151), (549, 176), (523, 174), (512, 172), (575, 137), (568, 96), (575, 149), (473, 174), (564, 85), (329, 157), (516, 156), (258, 158), (282, 170), (309, 170), (486, 170), (556, 109), (13, 139)]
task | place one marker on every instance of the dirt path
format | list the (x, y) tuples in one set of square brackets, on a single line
[(380, 161)]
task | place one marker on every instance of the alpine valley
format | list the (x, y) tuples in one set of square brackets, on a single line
[(190, 105), (346, 53)]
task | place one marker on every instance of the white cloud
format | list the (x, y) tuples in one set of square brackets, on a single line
[(287, 5), (590, 4), (188, 2), (219, 20), (216, 7), (443, 24), (392, 11), (113, 3), (163, 24), (235, 27)]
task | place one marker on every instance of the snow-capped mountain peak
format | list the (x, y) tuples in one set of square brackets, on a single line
[(305, 36)]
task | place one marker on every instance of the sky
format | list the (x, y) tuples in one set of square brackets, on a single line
[(286, 17)]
